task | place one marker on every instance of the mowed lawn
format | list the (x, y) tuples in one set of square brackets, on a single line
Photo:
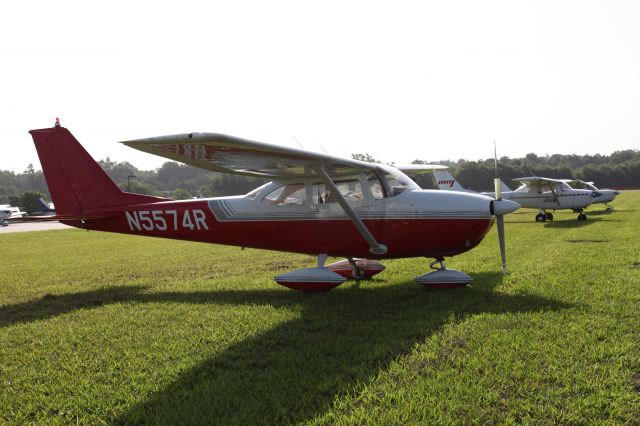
[(102, 328)]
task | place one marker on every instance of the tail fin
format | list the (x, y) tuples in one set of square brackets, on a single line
[(446, 182), (44, 207), (76, 182)]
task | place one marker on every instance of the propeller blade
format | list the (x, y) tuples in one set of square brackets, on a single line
[(499, 208), (498, 188), (495, 158), (503, 255), (496, 179)]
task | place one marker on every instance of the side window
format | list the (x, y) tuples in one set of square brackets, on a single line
[(376, 188), (293, 194), (396, 185), (350, 189)]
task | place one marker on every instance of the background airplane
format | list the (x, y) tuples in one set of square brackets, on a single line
[(45, 208), (316, 204), (534, 192), (604, 196), (6, 212)]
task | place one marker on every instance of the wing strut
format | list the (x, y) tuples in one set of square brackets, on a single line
[(555, 195), (374, 246)]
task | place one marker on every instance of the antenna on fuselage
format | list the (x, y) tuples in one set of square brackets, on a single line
[(296, 139), (321, 147)]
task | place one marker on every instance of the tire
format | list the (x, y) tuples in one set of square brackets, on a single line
[(549, 216), (582, 216), (540, 217)]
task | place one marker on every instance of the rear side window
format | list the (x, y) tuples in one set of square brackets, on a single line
[(350, 189), (293, 194)]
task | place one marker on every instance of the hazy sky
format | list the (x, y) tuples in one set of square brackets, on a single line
[(399, 80)]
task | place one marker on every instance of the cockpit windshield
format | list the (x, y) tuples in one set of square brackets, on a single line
[(565, 186), (397, 181)]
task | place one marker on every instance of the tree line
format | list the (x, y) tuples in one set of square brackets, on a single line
[(174, 180)]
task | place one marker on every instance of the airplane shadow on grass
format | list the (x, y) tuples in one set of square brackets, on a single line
[(294, 371), (577, 223)]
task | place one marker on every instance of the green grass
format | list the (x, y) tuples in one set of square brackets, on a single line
[(101, 328)]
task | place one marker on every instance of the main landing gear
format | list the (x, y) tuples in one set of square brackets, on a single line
[(581, 215), (324, 278), (443, 277), (544, 216)]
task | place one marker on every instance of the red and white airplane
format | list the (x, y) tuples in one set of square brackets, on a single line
[(315, 204)]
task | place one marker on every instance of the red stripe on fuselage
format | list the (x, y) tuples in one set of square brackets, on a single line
[(181, 220)]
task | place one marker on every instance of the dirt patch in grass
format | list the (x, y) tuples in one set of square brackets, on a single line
[(277, 266), (587, 241)]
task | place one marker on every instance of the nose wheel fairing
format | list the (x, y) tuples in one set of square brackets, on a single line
[(443, 278), (311, 279)]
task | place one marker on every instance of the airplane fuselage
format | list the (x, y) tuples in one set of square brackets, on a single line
[(548, 200), (413, 223), (605, 196)]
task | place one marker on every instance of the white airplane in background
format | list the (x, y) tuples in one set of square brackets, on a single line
[(534, 192), (600, 195), (5, 214), (6, 211)]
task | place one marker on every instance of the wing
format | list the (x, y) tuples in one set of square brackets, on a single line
[(535, 180), (572, 182), (418, 169), (228, 154)]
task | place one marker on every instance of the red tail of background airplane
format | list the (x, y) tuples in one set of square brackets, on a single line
[(76, 182)]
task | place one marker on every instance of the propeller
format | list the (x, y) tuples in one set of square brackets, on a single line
[(499, 217)]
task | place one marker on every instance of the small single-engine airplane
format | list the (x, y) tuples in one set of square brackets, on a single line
[(316, 204), (604, 196), (45, 208), (6, 212), (534, 192)]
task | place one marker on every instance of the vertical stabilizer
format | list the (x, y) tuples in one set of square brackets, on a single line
[(504, 187), (76, 182), (446, 182)]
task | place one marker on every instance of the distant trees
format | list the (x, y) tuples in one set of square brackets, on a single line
[(14, 184), (178, 181), (365, 157)]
